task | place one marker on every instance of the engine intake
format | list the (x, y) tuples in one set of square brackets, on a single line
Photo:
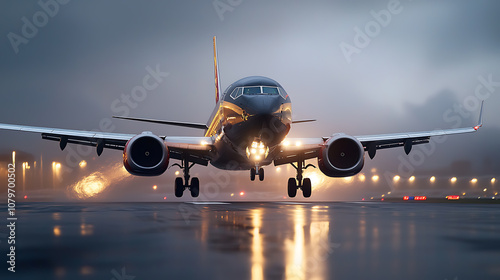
[(146, 155), (342, 155)]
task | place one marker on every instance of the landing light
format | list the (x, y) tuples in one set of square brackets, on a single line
[(493, 180), (411, 179), (453, 180), (432, 179), (473, 181), (257, 151)]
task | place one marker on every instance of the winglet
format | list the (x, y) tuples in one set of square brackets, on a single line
[(480, 121), (216, 72)]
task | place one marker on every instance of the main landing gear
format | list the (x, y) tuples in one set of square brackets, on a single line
[(181, 185), (300, 182), (253, 173)]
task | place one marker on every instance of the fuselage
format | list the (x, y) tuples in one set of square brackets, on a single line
[(249, 121)]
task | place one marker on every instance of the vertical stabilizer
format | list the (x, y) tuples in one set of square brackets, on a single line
[(216, 72)]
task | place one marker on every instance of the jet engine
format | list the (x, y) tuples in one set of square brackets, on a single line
[(341, 156), (146, 155)]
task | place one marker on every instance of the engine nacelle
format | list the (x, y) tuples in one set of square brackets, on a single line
[(146, 155), (341, 156)]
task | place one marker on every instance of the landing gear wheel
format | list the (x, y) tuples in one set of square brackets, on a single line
[(252, 174), (306, 187), (195, 187), (179, 187), (292, 187), (261, 174)]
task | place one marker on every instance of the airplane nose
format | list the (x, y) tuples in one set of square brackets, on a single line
[(263, 104)]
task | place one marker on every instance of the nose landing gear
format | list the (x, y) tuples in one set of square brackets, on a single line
[(253, 173)]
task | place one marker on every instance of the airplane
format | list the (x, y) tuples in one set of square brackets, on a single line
[(246, 131)]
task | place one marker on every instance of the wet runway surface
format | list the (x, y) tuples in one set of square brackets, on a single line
[(255, 241)]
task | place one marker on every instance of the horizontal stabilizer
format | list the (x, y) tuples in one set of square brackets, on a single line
[(184, 124), (303, 121)]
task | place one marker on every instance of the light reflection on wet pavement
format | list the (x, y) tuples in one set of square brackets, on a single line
[(256, 241)]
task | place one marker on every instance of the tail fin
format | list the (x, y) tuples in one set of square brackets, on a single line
[(216, 73)]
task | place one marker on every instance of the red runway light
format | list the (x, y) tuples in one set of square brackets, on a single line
[(420, 197), (25, 197), (453, 197)]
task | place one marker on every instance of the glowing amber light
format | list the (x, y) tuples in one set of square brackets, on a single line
[(177, 173), (453, 180), (396, 178), (411, 179), (493, 180), (362, 177), (57, 231), (375, 178), (432, 179), (155, 187), (348, 179), (474, 180), (82, 164), (242, 193)]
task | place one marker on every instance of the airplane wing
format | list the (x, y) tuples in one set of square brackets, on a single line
[(296, 149), (196, 148)]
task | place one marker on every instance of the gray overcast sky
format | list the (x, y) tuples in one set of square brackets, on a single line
[(425, 60)]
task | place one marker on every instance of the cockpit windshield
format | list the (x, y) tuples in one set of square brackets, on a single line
[(258, 90)]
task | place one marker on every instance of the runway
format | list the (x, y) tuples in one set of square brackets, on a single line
[(339, 240)]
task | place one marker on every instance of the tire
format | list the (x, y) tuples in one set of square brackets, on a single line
[(252, 174), (292, 187), (261, 174), (195, 187), (306, 187), (179, 187)]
